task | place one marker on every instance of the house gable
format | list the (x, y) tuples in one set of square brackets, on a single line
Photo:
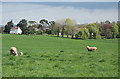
[(15, 30)]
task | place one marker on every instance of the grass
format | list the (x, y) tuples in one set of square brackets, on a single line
[(46, 56), (0, 56)]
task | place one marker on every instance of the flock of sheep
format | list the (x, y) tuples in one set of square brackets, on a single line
[(13, 50)]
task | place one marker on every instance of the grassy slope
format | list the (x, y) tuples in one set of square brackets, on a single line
[(59, 57)]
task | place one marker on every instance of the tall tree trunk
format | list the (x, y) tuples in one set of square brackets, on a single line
[(62, 35), (58, 34), (72, 36), (67, 35), (63, 31)]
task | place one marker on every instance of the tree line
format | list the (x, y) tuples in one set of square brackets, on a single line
[(68, 28), (99, 30)]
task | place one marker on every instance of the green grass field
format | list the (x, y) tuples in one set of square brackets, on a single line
[(46, 56)]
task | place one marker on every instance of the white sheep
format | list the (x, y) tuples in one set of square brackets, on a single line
[(21, 53), (13, 51), (91, 48)]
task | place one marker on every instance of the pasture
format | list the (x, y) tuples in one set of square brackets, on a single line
[(46, 56)]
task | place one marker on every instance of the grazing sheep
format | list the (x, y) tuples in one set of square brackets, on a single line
[(91, 48), (13, 51), (21, 53)]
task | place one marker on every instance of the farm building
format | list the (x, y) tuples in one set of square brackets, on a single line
[(15, 30)]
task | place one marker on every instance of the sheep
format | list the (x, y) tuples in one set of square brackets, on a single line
[(21, 53), (91, 48), (13, 51)]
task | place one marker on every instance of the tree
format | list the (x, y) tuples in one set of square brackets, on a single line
[(73, 28), (43, 23), (33, 24), (7, 29), (51, 26), (118, 23), (94, 30), (82, 34), (39, 32), (63, 30), (22, 24), (104, 28), (1, 29), (108, 33), (84, 25), (107, 22), (101, 27), (8, 26), (26, 31), (40, 27), (107, 26), (68, 26), (114, 29), (57, 28), (48, 31), (31, 30), (62, 23)]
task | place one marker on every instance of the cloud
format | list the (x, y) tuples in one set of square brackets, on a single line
[(38, 12), (60, 0)]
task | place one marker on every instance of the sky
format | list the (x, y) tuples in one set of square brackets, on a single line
[(82, 12), (59, 0)]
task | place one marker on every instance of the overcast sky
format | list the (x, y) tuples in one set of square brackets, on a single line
[(59, 0), (82, 12)]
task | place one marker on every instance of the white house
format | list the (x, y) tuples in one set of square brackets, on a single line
[(15, 30)]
